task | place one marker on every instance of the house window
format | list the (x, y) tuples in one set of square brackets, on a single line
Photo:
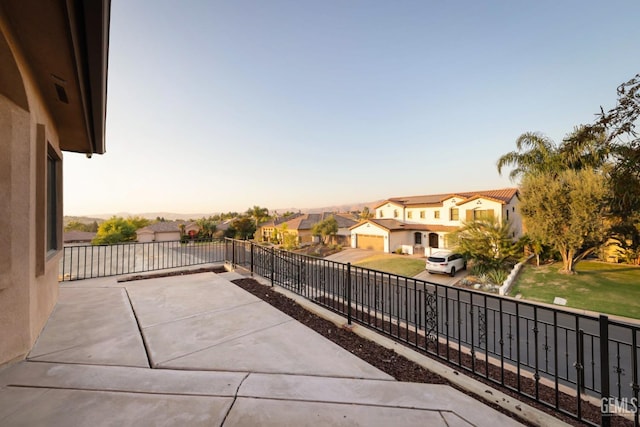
[(417, 238), (436, 214), (454, 214), (507, 214), (52, 203), (381, 214), (395, 213), (409, 214), (422, 214), (482, 214)]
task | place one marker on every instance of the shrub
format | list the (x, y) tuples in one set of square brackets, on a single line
[(497, 276)]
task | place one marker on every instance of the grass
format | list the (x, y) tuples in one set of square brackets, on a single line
[(598, 286), (396, 264)]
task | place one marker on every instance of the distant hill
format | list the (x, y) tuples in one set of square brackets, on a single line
[(83, 219), (172, 216)]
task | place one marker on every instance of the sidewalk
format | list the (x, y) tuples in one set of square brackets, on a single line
[(198, 350)]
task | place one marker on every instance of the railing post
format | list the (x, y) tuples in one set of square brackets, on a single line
[(349, 293), (581, 359), (605, 419), (233, 253), (273, 263), (251, 257)]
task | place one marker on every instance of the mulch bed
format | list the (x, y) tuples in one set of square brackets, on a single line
[(172, 273), (405, 370)]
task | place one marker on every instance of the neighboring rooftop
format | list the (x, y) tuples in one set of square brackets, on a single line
[(503, 195)]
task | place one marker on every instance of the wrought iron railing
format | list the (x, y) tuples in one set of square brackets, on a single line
[(91, 261), (550, 355)]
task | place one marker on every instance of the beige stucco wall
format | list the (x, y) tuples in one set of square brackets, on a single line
[(167, 236), (28, 279), (145, 236), (369, 229)]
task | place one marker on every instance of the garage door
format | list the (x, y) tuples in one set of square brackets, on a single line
[(366, 241)]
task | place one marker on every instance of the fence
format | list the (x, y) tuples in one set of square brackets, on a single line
[(89, 261), (553, 356)]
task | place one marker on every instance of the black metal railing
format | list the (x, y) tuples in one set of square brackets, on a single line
[(553, 356), (91, 261)]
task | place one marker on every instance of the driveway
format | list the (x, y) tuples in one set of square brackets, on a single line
[(355, 255)]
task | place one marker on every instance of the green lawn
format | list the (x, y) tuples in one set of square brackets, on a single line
[(598, 286), (396, 264)]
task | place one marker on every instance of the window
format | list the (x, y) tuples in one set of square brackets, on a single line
[(482, 214), (381, 213), (454, 214), (422, 214), (409, 214), (436, 214), (53, 196), (507, 214), (395, 213)]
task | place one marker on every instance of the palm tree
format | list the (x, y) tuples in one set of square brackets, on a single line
[(534, 153), (258, 214)]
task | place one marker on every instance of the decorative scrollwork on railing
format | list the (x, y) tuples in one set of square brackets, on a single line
[(431, 314), (482, 328)]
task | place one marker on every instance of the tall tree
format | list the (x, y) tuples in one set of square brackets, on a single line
[(244, 227), (258, 214), (366, 213), (325, 228), (566, 211), (115, 230), (534, 153)]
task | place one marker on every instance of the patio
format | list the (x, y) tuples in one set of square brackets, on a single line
[(198, 350)]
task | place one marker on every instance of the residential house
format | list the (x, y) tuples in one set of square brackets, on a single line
[(266, 232), (166, 231), (74, 237), (53, 87), (420, 224), (301, 227)]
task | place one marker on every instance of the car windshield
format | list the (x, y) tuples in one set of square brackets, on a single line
[(436, 259)]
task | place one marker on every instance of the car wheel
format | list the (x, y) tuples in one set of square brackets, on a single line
[(453, 272)]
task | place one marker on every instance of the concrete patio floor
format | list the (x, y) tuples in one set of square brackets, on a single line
[(198, 350)]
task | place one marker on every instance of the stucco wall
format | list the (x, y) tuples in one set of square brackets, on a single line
[(29, 282), (167, 237)]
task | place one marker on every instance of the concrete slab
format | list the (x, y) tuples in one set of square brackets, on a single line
[(16, 400), (267, 412), (199, 328), (167, 299), (432, 397), (91, 325), (171, 340), (289, 348), (63, 408), (114, 378)]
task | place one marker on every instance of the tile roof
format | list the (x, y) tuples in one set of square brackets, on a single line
[(163, 227), (395, 225), (77, 236), (503, 195), (307, 221)]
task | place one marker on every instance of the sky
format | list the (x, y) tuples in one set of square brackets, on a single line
[(217, 106)]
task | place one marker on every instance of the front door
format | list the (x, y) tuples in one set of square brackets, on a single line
[(433, 240)]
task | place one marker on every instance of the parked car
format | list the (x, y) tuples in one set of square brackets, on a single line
[(446, 262)]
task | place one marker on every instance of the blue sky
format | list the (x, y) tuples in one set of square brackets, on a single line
[(221, 105)]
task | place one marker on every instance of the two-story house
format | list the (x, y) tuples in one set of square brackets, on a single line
[(422, 223)]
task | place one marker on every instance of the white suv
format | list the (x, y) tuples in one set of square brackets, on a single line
[(446, 262)]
